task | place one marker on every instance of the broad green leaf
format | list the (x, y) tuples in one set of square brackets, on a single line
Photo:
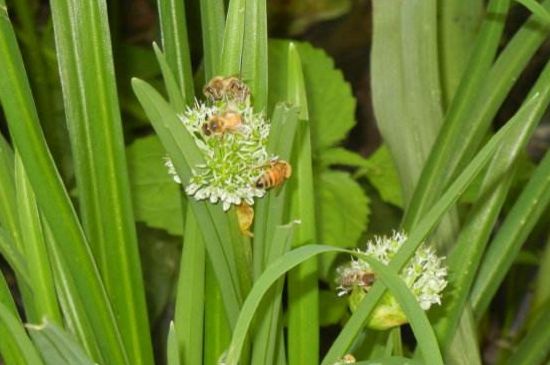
[(381, 171), (155, 194), (343, 209), (458, 27), (331, 104), (379, 168), (406, 92), (57, 347)]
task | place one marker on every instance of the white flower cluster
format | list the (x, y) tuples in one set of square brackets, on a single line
[(424, 275), (234, 161)]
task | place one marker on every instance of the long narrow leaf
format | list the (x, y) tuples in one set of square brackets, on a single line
[(416, 316), (175, 44), (437, 166), (36, 255), (95, 129), (57, 347), (52, 197), (254, 55), (471, 243), (189, 316), (303, 293), (213, 24), (16, 347)]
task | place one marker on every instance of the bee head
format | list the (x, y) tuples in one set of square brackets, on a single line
[(206, 129)]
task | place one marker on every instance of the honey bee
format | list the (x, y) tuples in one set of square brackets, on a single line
[(277, 173), (226, 87), (229, 121), (363, 279)]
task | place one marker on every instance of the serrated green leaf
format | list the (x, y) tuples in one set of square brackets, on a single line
[(330, 101), (382, 173), (155, 195), (343, 209)]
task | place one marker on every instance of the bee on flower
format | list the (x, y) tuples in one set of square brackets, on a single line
[(425, 275), (233, 139)]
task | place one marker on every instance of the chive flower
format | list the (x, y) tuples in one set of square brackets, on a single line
[(233, 140), (425, 275)]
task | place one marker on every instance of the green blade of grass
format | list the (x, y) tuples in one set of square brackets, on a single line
[(172, 351), (507, 243), (425, 336), (417, 235), (270, 210), (303, 293), (435, 173), (265, 338), (8, 206), (254, 54), (16, 347), (14, 257), (233, 39), (216, 326), (471, 243), (537, 9), (35, 252), (174, 93), (213, 24), (95, 129), (57, 347), (75, 320), (189, 311), (5, 296), (173, 27), (52, 197)]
